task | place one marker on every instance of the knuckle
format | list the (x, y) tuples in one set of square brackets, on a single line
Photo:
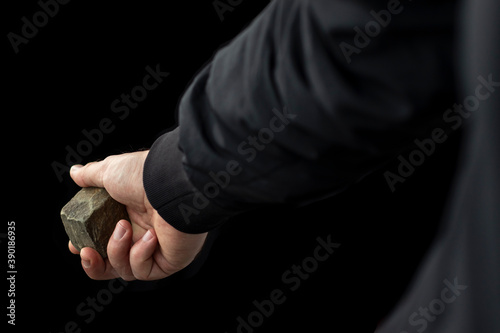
[(94, 275), (142, 274), (118, 262)]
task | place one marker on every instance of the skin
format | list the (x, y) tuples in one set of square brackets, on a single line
[(144, 248)]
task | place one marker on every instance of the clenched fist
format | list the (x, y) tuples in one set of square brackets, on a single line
[(144, 248)]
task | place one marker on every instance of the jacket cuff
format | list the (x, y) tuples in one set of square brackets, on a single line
[(170, 192)]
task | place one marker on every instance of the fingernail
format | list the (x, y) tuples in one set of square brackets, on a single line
[(75, 167), (119, 231), (86, 263), (147, 236)]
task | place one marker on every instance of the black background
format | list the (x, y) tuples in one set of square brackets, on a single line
[(64, 80)]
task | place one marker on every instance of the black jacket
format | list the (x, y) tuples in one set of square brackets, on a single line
[(310, 98), (313, 96)]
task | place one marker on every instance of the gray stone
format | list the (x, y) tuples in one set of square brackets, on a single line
[(90, 217)]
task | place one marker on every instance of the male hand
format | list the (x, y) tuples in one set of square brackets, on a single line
[(144, 248)]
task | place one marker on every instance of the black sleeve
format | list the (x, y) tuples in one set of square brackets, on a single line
[(310, 98), (171, 193)]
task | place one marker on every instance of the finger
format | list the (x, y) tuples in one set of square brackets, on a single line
[(141, 256), (72, 248), (88, 175), (119, 248), (95, 266)]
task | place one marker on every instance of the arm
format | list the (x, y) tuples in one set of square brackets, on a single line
[(281, 117), (297, 118)]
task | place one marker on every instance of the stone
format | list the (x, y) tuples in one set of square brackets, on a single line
[(89, 218)]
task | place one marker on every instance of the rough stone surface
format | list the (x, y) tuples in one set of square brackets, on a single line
[(90, 217)]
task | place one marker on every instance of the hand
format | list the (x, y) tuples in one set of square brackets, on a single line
[(144, 248)]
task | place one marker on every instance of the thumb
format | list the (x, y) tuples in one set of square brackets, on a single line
[(89, 175)]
